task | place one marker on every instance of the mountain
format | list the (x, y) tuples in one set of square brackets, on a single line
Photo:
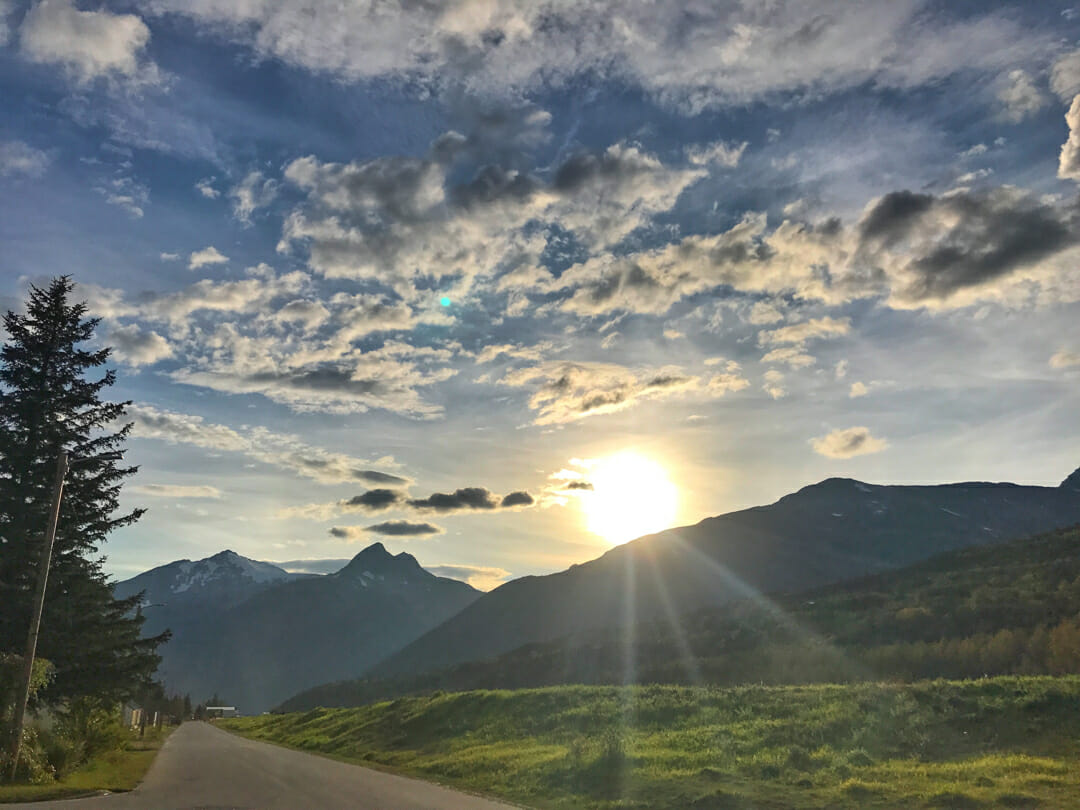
[(1010, 608), (831, 531), (255, 634), (219, 581)]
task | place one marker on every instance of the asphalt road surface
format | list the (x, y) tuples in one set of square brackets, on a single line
[(204, 768)]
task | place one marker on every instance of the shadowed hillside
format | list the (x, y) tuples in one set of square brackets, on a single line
[(828, 532)]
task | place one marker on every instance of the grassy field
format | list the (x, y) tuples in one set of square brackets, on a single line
[(116, 771), (1004, 742)]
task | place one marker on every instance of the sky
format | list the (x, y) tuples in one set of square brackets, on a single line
[(417, 272)]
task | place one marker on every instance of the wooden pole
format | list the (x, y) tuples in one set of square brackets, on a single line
[(19, 708)]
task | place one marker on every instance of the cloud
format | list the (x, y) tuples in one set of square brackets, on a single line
[(208, 255), (17, 157), (494, 351), (333, 379), (5, 29), (126, 193), (948, 249), (481, 577), (720, 384), (177, 428), (136, 347), (1065, 359), (911, 250), (764, 313), (1019, 96), (464, 499), (169, 257), (578, 485), (389, 528), (324, 566), (567, 391), (283, 451), (1065, 76), (309, 314), (250, 194), (88, 44), (206, 188), (404, 528), (799, 333), (265, 355), (249, 295), (854, 441), (793, 356), (519, 498), (1069, 162), (393, 218), (858, 389), (773, 384), (719, 153), (716, 53), (177, 491), (374, 500)]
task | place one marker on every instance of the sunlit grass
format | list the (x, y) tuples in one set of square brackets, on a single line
[(999, 742)]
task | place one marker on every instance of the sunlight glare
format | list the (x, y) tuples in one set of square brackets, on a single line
[(631, 496)]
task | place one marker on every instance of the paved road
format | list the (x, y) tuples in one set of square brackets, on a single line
[(204, 768)]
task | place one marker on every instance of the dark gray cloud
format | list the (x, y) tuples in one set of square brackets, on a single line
[(520, 498), (376, 477), (581, 485), (403, 528), (470, 499), (466, 498), (962, 240), (374, 500)]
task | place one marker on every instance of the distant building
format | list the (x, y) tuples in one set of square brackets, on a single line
[(221, 711), (133, 715)]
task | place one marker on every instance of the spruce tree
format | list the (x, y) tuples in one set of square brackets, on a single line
[(49, 403)]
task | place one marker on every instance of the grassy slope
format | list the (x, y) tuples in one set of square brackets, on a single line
[(114, 772), (996, 742)]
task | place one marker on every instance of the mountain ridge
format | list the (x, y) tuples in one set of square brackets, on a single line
[(825, 532), (255, 634)]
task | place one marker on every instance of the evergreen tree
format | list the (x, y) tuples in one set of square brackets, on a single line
[(47, 403)]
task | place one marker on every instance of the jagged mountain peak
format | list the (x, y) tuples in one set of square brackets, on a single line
[(376, 562)]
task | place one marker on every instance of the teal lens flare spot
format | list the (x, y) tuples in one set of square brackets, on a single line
[(444, 301)]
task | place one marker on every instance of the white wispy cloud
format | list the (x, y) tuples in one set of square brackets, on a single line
[(19, 158), (207, 256), (284, 451), (87, 44), (177, 490)]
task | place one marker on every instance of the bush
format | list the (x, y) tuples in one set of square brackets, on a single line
[(92, 724), (63, 753), (33, 765)]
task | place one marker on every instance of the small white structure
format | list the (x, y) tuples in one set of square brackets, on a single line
[(221, 711)]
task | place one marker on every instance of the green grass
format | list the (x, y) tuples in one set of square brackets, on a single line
[(114, 772), (993, 743)]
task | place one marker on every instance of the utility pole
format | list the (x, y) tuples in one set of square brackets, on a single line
[(19, 708)]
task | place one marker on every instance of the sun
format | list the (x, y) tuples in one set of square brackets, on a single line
[(631, 495)]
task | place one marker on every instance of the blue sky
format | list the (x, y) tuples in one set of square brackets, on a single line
[(758, 243)]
